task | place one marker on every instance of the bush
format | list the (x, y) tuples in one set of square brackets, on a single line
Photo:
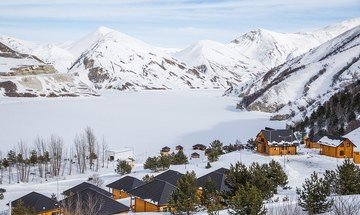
[(148, 178), (123, 167)]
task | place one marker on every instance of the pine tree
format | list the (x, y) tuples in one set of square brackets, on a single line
[(276, 174), (348, 178), (151, 163), (1, 196), (247, 201), (184, 198), (237, 176), (260, 179), (21, 209), (210, 197), (314, 195), (123, 167), (179, 158)]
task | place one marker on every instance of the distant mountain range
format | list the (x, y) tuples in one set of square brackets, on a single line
[(108, 59)]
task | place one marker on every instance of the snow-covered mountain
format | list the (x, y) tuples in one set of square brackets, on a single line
[(302, 83), (23, 75), (271, 49), (52, 54), (219, 61), (118, 61)]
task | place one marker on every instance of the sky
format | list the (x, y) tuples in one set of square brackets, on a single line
[(167, 23)]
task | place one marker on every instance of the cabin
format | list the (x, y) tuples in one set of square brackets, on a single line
[(199, 147), (312, 142), (179, 148), (276, 142), (120, 188), (83, 186), (120, 154), (165, 150), (40, 204), (90, 201), (195, 155), (354, 137), (337, 147), (155, 195)]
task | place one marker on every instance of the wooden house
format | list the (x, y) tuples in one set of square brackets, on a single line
[(155, 195), (199, 147), (195, 155), (121, 187), (90, 201), (179, 148), (312, 142), (165, 150), (337, 147), (40, 204), (276, 142), (354, 137)]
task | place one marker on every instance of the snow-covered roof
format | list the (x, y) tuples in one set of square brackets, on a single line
[(354, 137), (331, 141)]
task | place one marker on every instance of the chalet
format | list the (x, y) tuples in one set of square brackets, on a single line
[(179, 148), (199, 147), (120, 154), (313, 142), (337, 147), (354, 137), (40, 204), (90, 201), (121, 187), (195, 155), (165, 150), (217, 177), (154, 196), (276, 142), (83, 186)]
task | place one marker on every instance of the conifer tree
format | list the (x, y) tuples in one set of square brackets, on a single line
[(210, 197), (247, 201), (123, 167), (276, 174), (185, 199), (237, 176), (314, 195), (179, 158), (21, 209), (348, 178)]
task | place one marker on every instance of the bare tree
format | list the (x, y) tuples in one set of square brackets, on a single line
[(22, 162), (285, 208), (71, 156), (91, 143), (84, 203), (104, 147), (40, 145), (80, 149), (55, 149), (96, 180), (97, 157), (346, 205)]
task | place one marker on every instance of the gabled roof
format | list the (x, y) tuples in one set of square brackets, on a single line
[(279, 136), (126, 183), (85, 185), (315, 138), (170, 176), (195, 154), (331, 140), (217, 177), (222, 170), (157, 192), (100, 203), (36, 201)]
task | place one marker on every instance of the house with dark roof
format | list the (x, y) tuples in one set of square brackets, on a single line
[(165, 150), (121, 187), (170, 176), (337, 147), (85, 185), (276, 142), (312, 142), (179, 148), (217, 177), (40, 204), (195, 155), (152, 197), (199, 147), (90, 201)]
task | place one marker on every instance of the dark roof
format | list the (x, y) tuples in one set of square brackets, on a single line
[(170, 176), (126, 183), (218, 179), (279, 135), (158, 191), (222, 170), (101, 204), (166, 148), (85, 185), (195, 154), (36, 201), (315, 138), (199, 145)]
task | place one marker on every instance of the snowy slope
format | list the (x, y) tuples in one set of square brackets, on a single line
[(60, 58), (308, 80), (272, 48), (118, 61), (220, 61), (23, 75)]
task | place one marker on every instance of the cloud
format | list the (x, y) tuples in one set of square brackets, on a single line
[(192, 19)]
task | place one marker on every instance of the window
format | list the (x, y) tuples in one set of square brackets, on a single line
[(341, 153)]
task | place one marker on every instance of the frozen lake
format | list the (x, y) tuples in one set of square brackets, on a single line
[(145, 121)]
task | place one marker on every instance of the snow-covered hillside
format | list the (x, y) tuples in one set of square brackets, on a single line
[(52, 54), (302, 83), (271, 49), (118, 61), (23, 75)]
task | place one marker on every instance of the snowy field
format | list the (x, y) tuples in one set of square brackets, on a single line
[(144, 121)]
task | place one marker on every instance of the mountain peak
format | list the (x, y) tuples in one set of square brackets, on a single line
[(102, 30)]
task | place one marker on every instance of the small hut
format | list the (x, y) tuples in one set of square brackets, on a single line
[(195, 155)]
